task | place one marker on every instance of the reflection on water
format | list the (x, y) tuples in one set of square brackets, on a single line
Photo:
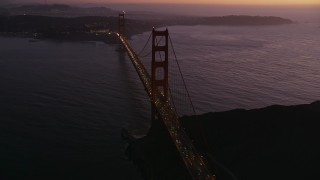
[(248, 67)]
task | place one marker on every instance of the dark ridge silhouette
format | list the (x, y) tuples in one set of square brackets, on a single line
[(42, 24), (276, 142), (59, 28), (246, 20), (61, 10), (61, 7), (4, 12), (90, 27)]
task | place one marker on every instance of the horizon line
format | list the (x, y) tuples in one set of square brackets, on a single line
[(172, 3)]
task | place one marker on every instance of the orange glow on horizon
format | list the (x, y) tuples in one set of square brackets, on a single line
[(217, 2), (211, 2)]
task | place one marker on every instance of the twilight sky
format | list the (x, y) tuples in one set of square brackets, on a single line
[(230, 2)]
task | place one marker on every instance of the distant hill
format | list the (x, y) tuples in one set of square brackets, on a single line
[(241, 20), (60, 10), (4, 11), (65, 22), (231, 20)]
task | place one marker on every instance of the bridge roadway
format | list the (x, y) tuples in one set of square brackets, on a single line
[(194, 162)]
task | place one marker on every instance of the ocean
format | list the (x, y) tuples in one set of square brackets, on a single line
[(63, 104), (247, 67)]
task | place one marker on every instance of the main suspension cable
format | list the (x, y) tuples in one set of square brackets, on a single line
[(145, 45), (184, 83)]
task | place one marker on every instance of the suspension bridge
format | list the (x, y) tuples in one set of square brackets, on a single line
[(163, 106)]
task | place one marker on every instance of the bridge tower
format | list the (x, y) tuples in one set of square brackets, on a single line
[(121, 28), (159, 67)]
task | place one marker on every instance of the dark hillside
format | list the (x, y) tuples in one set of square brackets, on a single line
[(276, 142)]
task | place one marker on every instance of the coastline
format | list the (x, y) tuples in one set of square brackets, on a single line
[(96, 28)]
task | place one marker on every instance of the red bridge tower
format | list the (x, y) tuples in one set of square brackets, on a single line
[(159, 67), (121, 28)]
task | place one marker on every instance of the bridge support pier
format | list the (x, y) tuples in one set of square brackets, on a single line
[(159, 67)]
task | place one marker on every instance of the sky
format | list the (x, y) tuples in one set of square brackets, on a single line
[(227, 2)]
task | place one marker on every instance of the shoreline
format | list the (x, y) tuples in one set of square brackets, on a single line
[(92, 28)]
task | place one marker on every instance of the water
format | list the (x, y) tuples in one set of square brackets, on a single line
[(63, 105), (247, 67)]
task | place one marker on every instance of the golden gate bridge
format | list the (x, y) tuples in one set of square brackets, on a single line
[(163, 107)]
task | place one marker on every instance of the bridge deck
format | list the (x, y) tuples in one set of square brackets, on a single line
[(194, 162)]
